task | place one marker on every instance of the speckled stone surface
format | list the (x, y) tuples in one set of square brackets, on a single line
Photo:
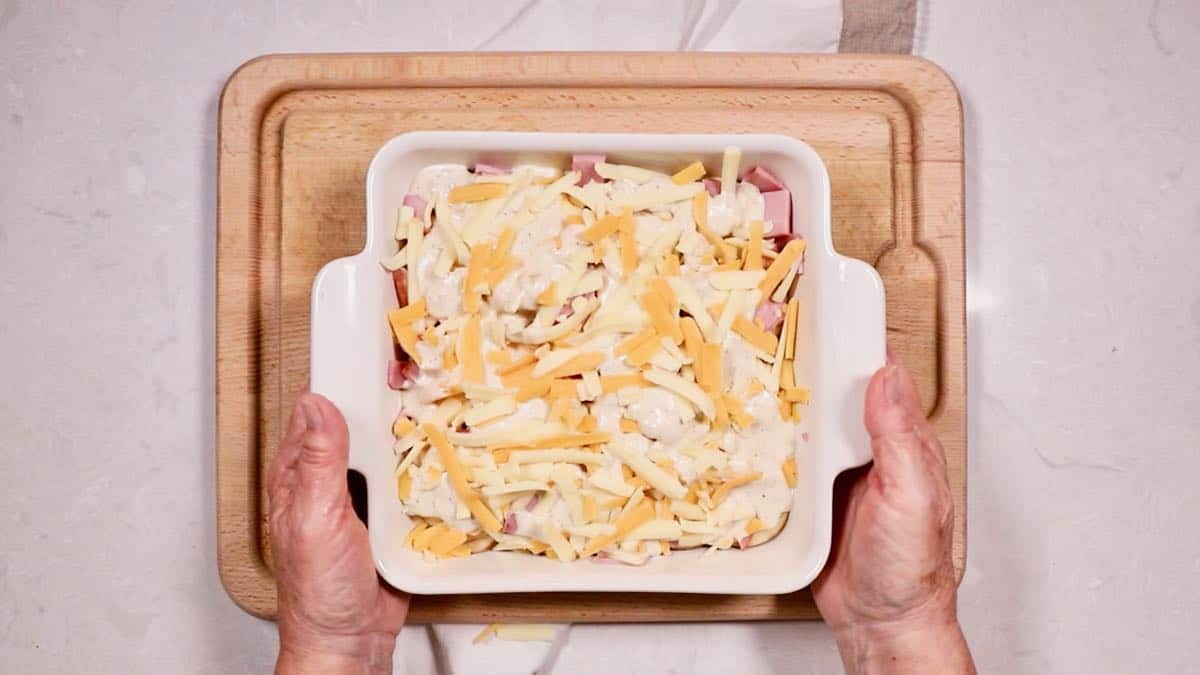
[(1083, 220)]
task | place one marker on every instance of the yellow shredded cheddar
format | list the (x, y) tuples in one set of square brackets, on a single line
[(754, 260), (402, 426), (549, 295), (476, 192), (726, 487), (470, 352), (533, 389), (404, 485), (710, 363), (645, 351), (578, 365), (560, 441), (634, 341), (790, 326), (670, 266), (759, 338), (780, 266), (665, 321), (611, 384), (458, 478), (796, 395), (627, 235), (601, 229), (787, 375), (515, 365), (689, 174), (788, 469), (737, 412), (475, 272), (638, 516), (486, 633)]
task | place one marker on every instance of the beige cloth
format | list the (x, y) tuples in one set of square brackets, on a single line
[(878, 26)]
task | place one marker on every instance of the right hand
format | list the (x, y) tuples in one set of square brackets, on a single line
[(889, 590)]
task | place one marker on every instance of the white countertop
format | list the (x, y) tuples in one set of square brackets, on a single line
[(1083, 220)]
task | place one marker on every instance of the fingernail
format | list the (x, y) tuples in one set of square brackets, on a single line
[(891, 384), (311, 414)]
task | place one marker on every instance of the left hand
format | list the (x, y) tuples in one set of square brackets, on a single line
[(335, 614)]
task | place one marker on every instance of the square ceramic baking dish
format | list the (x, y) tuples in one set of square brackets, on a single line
[(840, 344)]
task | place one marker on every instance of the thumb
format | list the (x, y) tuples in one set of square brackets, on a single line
[(324, 450), (894, 418)]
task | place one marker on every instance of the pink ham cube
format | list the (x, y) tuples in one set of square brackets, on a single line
[(762, 179), (401, 374), (586, 166), (713, 186), (417, 204), (777, 210), (769, 315), (486, 169)]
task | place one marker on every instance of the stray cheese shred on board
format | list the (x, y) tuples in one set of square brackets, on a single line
[(592, 364)]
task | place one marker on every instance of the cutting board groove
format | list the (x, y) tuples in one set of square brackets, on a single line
[(297, 133)]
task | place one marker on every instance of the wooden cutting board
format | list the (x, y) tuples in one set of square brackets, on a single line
[(297, 133)]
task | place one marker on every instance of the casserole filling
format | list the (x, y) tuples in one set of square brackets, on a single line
[(595, 363)]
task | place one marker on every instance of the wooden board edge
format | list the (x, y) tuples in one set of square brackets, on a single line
[(596, 608), (242, 571), (920, 84), (265, 78)]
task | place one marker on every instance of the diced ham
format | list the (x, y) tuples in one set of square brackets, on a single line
[(402, 373), (781, 239), (586, 166), (777, 210), (533, 501), (510, 524), (485, 169), (713, 186), (400, 282), (762, 179), (744, 542), (769, 315), (417, 203)]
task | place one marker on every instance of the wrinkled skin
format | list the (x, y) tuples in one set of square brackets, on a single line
[(890, 582), (335, 614)]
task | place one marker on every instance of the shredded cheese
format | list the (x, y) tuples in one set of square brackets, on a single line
[(689, 174), (759, 338), (477, 192), (780, 266), (531, 408), (458, 479)]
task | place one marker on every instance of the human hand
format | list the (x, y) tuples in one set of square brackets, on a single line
[(889, 590), (335, 615)]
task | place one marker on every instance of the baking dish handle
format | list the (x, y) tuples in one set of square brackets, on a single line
[(339, 353), (858, 348)]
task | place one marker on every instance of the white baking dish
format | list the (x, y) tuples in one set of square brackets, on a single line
[(841, 343)]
